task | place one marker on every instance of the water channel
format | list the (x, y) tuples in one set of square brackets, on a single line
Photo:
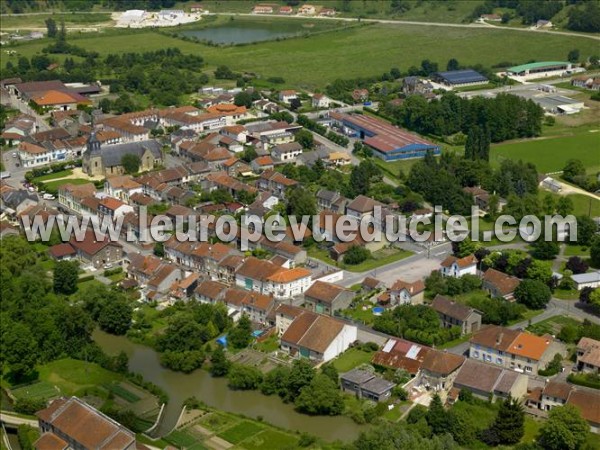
[(214, 392)]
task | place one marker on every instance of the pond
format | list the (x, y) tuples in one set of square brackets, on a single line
[(214, 392), (247, 32)]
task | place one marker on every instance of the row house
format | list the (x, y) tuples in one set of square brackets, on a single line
[(220, 180), (128, 131), (70, 196), (228, 111), (113, 208), (275, 182), (268, 278), (33, 155), (513, 349), (295, 254), (238, 133), (327, 298)]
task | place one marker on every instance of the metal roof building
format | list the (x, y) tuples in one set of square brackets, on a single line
[(388, 142), (539, 67), (460, 77)]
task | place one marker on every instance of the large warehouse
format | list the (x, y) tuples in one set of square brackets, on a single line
[(539, 69), (458, 78), (388, 142)]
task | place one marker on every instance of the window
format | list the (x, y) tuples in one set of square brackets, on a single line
[(499, 360), (475, 354)]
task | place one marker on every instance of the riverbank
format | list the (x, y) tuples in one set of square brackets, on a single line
[(216, 394)]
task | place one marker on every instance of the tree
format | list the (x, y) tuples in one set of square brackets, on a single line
[(105, 105), (543, 249), (572, 169), (330, 371), (115, 317), (300, 202), (565, 429), (186, 361), (240, 336), (321, 397), (219, 365), (509, 426), (464, 248), (305, 138), (224, 73), (437, 417), (244, 98), (533, 293), (506, 17), (243, 378), (586, 230), (295, 103), (573, 55), (577, 265), (595, 252), (66, 274), (19, 350), (275, 381), (159, 249), (131, 163), (356, 255), (564, 206), (300, 376), (51, 27), (452, 65)]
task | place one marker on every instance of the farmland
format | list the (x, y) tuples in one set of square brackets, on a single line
[(316, 60)]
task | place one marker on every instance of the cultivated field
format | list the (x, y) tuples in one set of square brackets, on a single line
[(361, 51)]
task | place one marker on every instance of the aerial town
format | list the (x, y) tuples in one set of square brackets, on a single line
[(349, 225)]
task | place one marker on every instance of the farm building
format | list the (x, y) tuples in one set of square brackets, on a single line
[(388, 142), (458, 78), (539, 69)]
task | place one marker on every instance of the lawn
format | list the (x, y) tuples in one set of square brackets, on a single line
[(369, 50), (351, 358), (240, 432), (54, 176), (71, 375), (577, 250), (549, 155), (40, 390), (54, 185), (582, 204), (269, 345), (532, 427), (379, 258), (552, 325)]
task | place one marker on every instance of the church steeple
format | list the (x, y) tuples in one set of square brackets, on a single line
[(93, 144)]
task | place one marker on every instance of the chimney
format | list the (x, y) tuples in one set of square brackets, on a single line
[(499, 338)]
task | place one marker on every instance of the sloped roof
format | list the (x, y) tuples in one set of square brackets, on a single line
[(401, 354), (450, 308), (462, 262), (325, 292), (478, 376), (504, 283), (313, 331), (494, 336), (529, 345), (86, 425), (442, 363)]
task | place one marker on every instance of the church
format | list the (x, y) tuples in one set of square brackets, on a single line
[(107, 160)]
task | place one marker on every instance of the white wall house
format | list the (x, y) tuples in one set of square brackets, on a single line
[(457, 267)]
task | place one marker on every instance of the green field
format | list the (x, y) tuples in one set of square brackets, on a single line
[(550, 155), (71, 375), (70, 19), (582, 204), (241, 431), (362, 51), (41, 390)]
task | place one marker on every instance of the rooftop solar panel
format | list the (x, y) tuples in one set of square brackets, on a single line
[(461, 76)]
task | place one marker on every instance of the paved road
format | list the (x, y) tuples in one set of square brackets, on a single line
[(8, 418)]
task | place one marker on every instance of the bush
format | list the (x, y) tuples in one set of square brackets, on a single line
[(244, 377), (29, 405), (585, 379), (356, 255)]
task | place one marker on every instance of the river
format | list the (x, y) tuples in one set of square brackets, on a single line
[(214, 392)]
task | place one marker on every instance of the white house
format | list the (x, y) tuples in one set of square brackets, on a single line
[(32, 155), (268, 278), (320, 101), (287, 96), (457, 267), (122, 187), (316, 337)]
